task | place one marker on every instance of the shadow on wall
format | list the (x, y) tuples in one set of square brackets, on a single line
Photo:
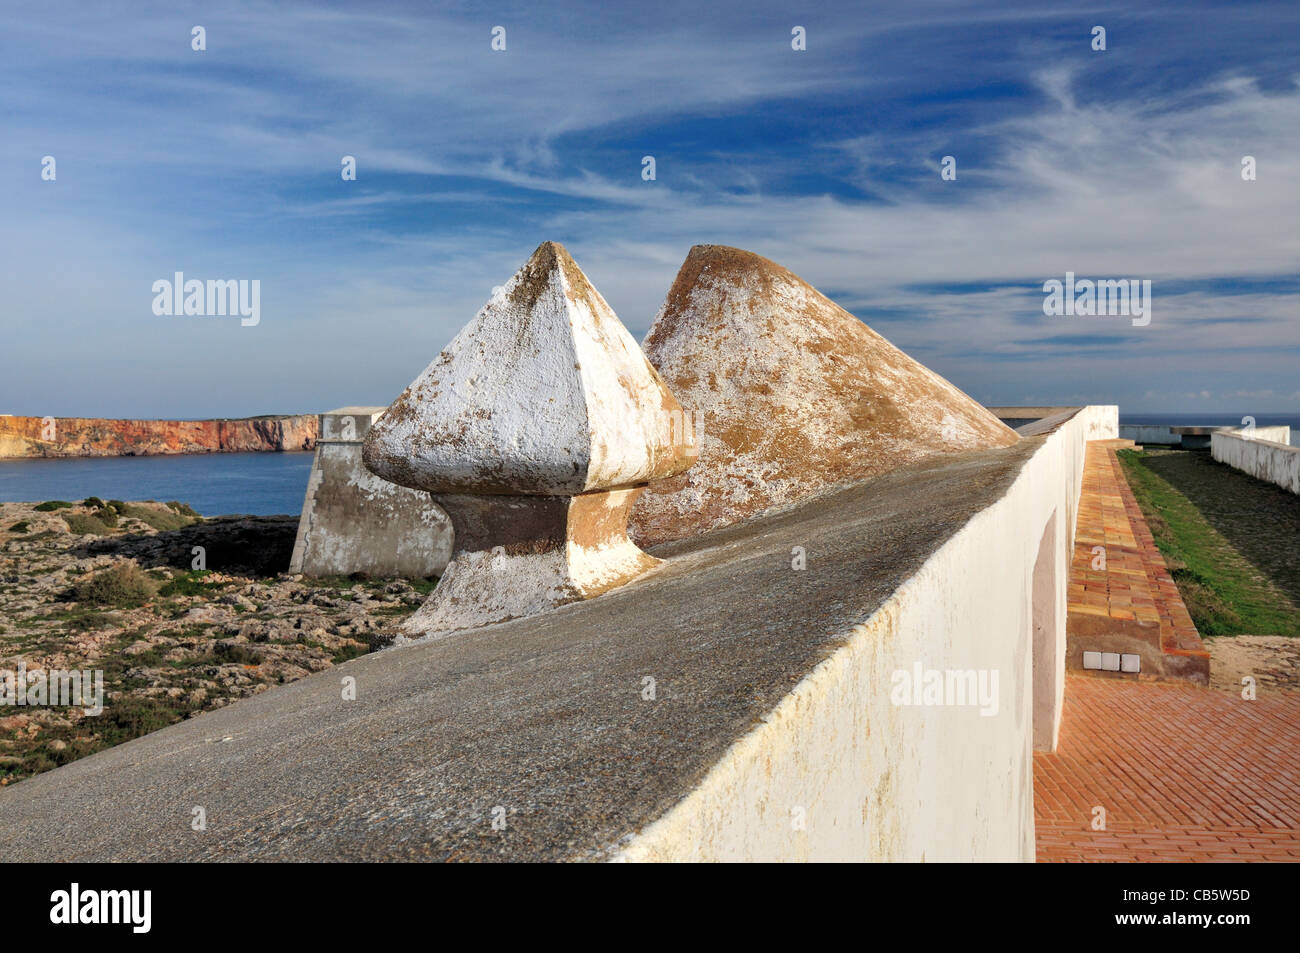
[(1048, 641)]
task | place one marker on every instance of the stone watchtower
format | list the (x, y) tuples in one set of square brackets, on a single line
[(354, 522), (536, 429)]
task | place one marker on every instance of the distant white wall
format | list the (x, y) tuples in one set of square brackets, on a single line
[(354, 522), (1263, 459), (1149, 433), (1164, 433), (838, 771)]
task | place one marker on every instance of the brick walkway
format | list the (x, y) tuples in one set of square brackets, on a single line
[(1130, 603), (1184, 773)]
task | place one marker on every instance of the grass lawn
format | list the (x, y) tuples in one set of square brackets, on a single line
[(1229, 540)]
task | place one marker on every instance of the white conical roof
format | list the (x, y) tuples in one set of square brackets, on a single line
[(543, 392)]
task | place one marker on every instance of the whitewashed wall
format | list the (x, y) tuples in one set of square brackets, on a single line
[(839, 772), (1262, 459)]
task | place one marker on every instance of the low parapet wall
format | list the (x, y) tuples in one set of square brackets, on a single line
[(865, 777), (1100, 421), (1150, 433), (1263, 459), (354, 522), (1190, 437), (743, 701)]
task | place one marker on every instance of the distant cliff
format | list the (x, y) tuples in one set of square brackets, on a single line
[(91, 437)]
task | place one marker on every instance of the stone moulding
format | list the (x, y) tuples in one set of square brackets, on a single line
[(536, 430), (522, 555)]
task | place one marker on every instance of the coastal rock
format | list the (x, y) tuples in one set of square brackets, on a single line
[(96, 437), (203, 639), (791, 395)]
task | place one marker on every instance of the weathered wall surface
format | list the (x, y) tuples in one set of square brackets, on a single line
[(867, 778), (1278, 434), (95, 437), (354, 522), (1262, 459), (790, 394), (1099, 422)]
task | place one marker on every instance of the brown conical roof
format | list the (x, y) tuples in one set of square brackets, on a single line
[(791, 394)]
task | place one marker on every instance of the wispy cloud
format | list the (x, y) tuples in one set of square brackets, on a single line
[(226, 163)]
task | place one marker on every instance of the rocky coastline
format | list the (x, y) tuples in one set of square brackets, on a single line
[(29, 437), (113, 588)]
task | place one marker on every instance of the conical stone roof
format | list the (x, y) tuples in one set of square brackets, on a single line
[(544, 392), (791, 394)]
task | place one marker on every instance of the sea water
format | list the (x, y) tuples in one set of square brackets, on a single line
[(214, 484)]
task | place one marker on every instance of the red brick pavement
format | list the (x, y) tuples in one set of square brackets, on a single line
[(1184, 773)]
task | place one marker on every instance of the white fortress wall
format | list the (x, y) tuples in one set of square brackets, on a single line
[(1262, 458), (838, 771)]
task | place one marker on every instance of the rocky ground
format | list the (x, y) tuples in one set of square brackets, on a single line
[(1273, 661), (112, 587)]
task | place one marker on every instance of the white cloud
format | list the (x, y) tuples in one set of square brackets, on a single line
[(1145, 187)]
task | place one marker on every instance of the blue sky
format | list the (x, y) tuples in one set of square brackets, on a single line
[(226, 164)]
